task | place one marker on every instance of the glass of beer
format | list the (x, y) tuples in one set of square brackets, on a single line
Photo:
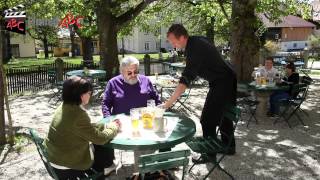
[(147, 116), (134, 116)]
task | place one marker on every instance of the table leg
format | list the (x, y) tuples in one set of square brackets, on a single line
[(262, 107)]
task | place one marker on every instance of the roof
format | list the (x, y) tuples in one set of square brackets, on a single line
[(286, 21)]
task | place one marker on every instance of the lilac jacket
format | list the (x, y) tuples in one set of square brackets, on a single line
[(120, 97)]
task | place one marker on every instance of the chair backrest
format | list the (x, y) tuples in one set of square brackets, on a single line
[(232, 113), (163, 160), (306, 80), (42, 152), (52, 78)]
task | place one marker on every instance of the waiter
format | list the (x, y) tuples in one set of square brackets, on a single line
[(204, 60)]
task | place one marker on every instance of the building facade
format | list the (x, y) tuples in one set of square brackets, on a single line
[(291, 32), (22, 45), (144, 42)]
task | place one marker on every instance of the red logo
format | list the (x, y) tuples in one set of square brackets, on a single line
[(70, 20), (15, 25)]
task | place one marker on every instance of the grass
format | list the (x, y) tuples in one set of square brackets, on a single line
[(22, 62)]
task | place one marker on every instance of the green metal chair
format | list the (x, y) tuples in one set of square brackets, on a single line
[(55, 86), (299, 94), (245, 100), (163, 161), (214, 145), (44, 157)]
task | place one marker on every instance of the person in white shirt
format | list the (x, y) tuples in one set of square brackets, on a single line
[(268, 71)]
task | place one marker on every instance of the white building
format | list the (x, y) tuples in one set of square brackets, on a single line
[(144, 42), (22, 45)]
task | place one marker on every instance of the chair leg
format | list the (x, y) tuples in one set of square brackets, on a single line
[(216, 164), (183, 171), (299, 118), (305, 113), (226, 172), (282, 114)]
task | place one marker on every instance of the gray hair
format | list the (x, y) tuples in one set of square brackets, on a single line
[(128, 60)]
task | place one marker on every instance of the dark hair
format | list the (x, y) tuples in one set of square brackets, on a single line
[(178, 30), (291, 66), (73, 88), (269, 59)]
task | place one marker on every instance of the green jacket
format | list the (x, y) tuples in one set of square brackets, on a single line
[(69, 135)]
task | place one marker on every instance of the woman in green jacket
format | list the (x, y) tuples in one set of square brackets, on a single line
[(70, 135)]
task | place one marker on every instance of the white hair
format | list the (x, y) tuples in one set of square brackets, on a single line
[(128, 60)]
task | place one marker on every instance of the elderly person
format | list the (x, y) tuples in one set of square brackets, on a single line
[(268, 70), (128, 90), (70, 135)]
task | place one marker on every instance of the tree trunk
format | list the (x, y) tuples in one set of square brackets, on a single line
[(87, 49), (46, 50), (72, 39), (244, 42), (107, 29), (6, 50), (2, 120), (210, 30)]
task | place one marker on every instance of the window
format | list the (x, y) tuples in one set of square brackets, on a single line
[(146, 46), (295, 45), (306, 44), (15, 50), (276, 36), (157, 45), (146, 32), (94, 44)]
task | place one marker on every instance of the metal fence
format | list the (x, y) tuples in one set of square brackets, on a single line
[(37, 78)]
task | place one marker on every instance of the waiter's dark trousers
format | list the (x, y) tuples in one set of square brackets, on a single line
[(221, 94)]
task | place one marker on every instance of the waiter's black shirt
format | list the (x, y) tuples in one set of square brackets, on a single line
[(204, 60)]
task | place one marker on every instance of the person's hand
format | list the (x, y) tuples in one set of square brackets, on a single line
[(115, 122), (161, 106), (118, 123), (165, 105)]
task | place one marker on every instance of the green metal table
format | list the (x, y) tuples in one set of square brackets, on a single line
[(267, 88), (183, 131), (263, 93), (91, 73)]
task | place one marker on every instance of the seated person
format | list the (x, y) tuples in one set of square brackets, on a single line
[(70, 135), (267, 71), (291, 79), (128, 90)]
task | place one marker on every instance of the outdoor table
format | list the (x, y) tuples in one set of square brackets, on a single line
[(178, 65), (95, 74), (179, 129), (263, 93)]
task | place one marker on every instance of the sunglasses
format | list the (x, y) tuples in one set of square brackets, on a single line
[(129, 73)]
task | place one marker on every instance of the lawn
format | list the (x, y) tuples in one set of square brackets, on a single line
[(19, 62)]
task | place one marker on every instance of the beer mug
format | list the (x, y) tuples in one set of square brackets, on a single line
[(135, 116), (159, 122), (147, 116)]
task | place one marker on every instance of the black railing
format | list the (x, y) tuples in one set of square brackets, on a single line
[(37, 78)]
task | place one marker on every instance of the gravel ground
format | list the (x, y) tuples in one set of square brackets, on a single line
[(264, 150)]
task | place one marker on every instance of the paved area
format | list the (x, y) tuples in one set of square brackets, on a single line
[(264, 150)]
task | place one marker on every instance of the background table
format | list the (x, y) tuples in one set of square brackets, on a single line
[(91, 73), (183, 131), (263, 93)]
